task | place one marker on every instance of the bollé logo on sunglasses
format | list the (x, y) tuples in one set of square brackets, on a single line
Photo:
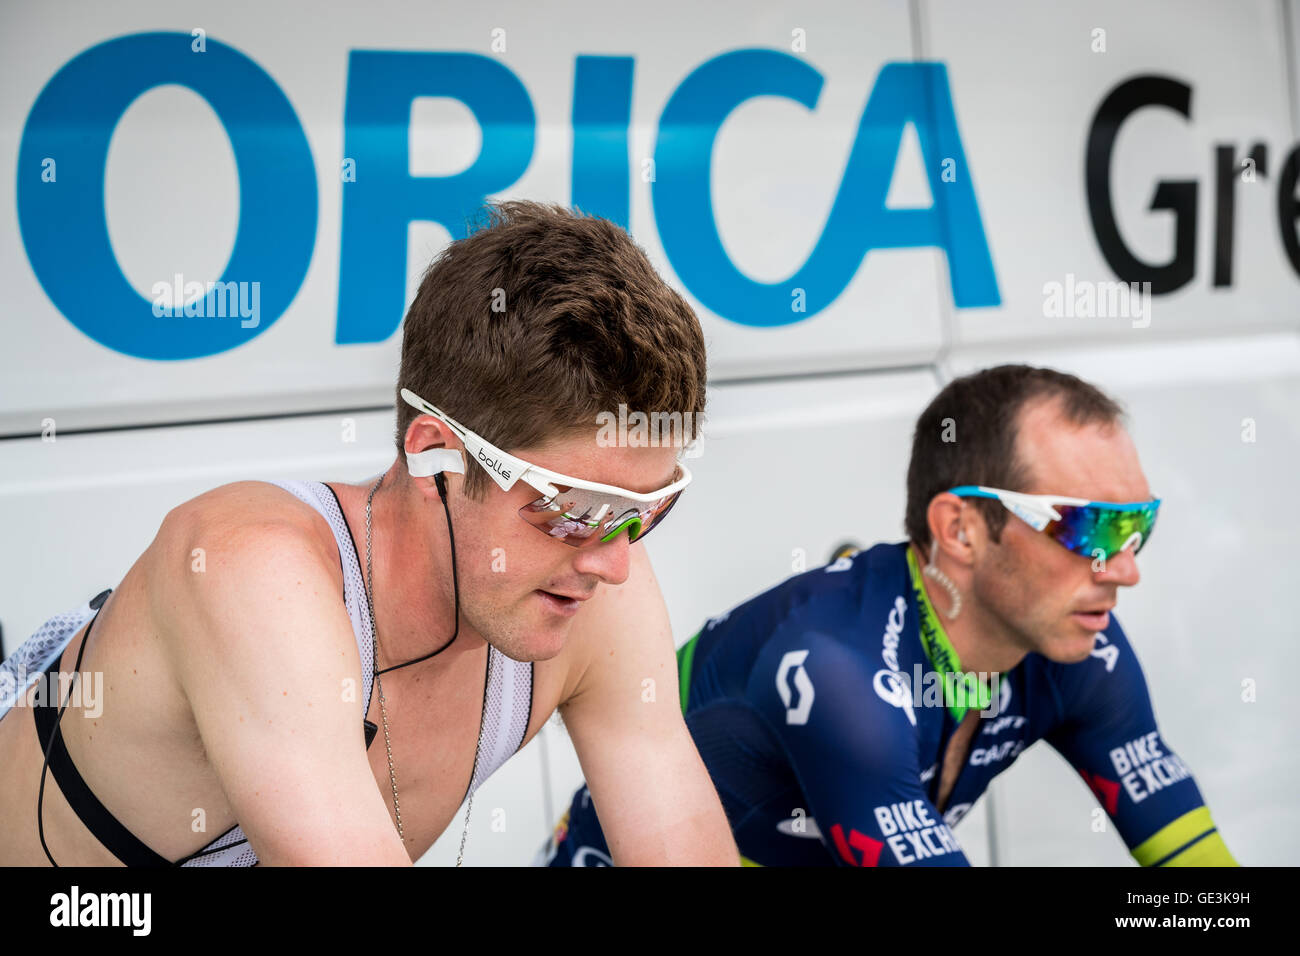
[(493, 464)]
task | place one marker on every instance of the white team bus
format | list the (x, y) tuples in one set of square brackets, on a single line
[(860, 199)]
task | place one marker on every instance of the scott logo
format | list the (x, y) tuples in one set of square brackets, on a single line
[(802, 683)]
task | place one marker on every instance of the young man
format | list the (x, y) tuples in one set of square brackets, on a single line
[(472, 586), (853, 714)]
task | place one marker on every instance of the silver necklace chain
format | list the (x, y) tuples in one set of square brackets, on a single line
[(379, 686)]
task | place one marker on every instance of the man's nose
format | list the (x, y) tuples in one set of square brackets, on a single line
[(607, 560), (1121, 569)]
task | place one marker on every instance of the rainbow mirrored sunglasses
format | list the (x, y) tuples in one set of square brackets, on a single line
[(579, 513), (1079, 525)]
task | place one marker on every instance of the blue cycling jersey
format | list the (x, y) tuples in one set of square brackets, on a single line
[(823, 721)]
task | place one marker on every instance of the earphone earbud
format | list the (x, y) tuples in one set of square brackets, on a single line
[(434, 461), (961, 535)]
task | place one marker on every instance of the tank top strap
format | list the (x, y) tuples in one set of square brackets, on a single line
[(507, 705), (232, 847), (321, 497)]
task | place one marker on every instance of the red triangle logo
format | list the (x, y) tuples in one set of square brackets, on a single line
[(869, 848), (1107, 791)]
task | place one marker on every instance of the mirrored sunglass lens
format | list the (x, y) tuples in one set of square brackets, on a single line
[(638, 518), (564, 520), (1086, 530), (651, 516), (581, 519)]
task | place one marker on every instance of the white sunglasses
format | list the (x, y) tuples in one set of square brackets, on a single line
[(572, 510), (1077, 524)]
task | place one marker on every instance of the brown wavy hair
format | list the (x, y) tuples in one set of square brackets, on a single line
[(539, 319)]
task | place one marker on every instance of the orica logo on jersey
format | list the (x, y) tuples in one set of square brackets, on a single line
[(889, 683), (1104, 649), (797, 714), (893, 688), (893, 633)]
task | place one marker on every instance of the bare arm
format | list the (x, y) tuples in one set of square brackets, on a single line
[(264, 651), (656, 802)]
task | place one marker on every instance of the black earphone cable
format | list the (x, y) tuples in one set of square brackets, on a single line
[(441, 482), (76, 673)]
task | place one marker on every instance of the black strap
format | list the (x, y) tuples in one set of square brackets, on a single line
[(369, 728), (210, 848), (441, 482), (117, 839)]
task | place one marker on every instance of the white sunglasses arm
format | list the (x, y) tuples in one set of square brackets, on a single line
[(506, 469), (555, 478), (1036, 510)]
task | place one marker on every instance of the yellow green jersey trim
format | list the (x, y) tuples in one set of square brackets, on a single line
[(685, 657), (1191, 840), (959, 689)]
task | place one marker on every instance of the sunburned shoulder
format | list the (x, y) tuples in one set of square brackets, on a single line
[(245, 504), (247, 514), (239, 536)]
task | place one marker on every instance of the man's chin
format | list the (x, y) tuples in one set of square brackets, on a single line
[(537, 641), (543, 647), (1070, 648)]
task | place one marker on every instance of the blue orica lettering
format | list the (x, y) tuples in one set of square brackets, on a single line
[(65, 232)]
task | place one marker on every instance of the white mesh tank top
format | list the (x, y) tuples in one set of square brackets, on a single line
[(507, 692)]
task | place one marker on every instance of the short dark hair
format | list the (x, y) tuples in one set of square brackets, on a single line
[(967, 436), (539, 320)]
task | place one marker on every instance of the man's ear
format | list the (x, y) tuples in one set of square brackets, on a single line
[(434, 461), (947, 517), (431, 448)]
